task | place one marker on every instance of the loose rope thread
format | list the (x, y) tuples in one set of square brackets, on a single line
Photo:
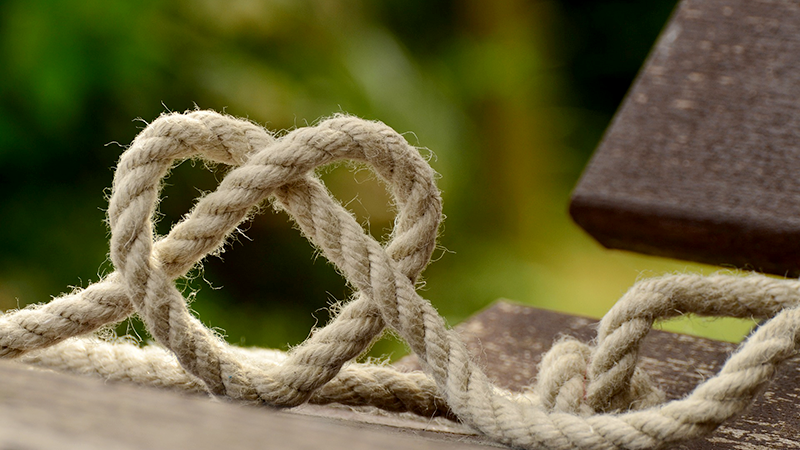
[(585, 396)]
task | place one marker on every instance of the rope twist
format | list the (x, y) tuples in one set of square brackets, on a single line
[(585, 396)]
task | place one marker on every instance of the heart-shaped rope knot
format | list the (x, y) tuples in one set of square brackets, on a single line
[(586, 396), (281, 169)]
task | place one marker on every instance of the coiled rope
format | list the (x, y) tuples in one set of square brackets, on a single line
[(585, 397)]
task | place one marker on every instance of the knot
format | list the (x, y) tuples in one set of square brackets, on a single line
[(562, 379), (564, 383), (283, 170)]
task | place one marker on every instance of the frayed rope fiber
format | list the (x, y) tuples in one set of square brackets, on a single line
[(585, 396)]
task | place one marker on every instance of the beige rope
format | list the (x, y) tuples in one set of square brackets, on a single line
[(588, 397)]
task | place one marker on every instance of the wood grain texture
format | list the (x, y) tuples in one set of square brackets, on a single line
[(43, 410), (701, 160), (509, 341), (46, 410)]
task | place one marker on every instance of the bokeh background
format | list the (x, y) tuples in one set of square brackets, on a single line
[(509, 97)]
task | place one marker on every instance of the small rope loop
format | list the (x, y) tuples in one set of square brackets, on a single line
[(624, 327), (562, 384), (561, 381)]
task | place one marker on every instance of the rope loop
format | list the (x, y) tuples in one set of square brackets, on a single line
[(586, 396), (281, 168)]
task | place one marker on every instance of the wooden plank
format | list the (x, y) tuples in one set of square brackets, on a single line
[(701, 161), (509, 341), (44, 410)]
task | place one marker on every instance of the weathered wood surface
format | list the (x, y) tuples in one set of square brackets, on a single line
[(45, 410), (509, 341), (701, 160), (42, 410)]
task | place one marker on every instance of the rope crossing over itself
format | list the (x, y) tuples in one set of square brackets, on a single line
[(586, 397)]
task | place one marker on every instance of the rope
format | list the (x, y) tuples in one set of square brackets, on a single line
[(585, 397)]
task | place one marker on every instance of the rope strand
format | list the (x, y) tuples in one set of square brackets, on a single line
[(585, 397)]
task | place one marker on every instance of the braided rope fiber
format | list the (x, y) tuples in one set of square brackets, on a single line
[(585, 396)]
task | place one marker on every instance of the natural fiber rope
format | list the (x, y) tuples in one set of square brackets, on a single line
[(587, 397)]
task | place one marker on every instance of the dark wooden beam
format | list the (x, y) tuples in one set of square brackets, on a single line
[(701, 161)]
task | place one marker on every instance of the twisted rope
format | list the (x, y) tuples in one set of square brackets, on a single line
[(586, 396)]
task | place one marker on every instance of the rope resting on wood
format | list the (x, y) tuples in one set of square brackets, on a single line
[(585, 396)]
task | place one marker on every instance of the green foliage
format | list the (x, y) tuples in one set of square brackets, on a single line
[(510, 98)]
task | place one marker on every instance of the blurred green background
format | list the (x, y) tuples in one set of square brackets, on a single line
[(511, 97)]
